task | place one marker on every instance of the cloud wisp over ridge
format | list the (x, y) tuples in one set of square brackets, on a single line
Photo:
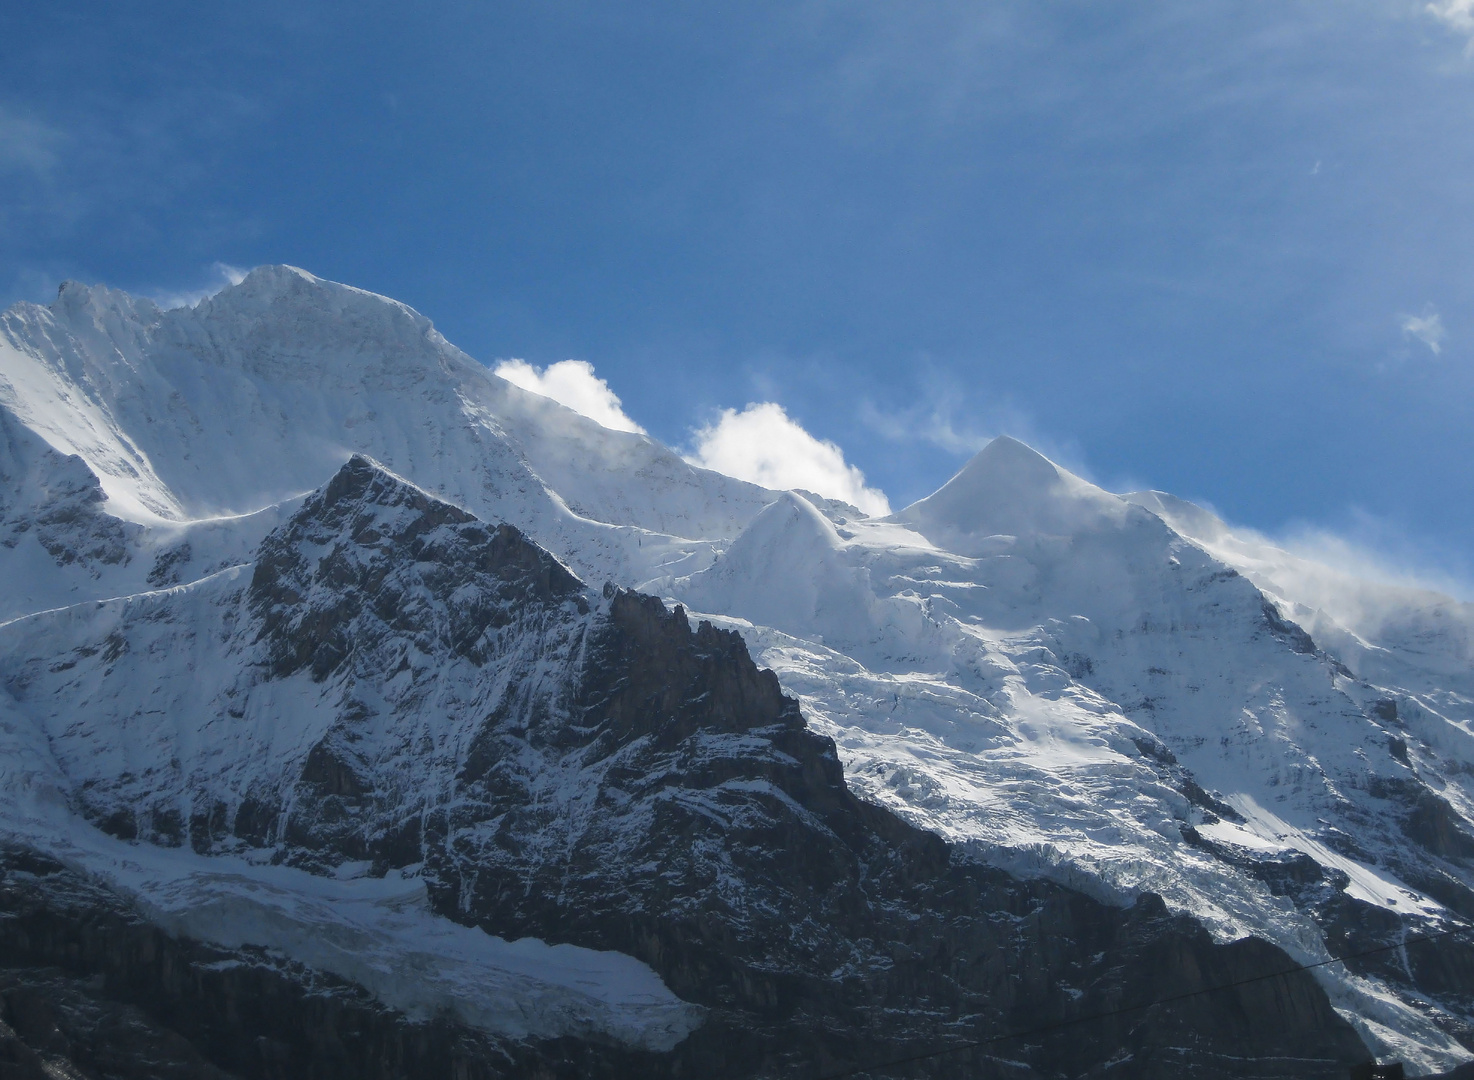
[(764, 445), (572, 383), (221, 275)]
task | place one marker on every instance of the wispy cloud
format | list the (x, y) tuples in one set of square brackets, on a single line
[(221, 275), (931, 423), (766, 446), (1368, 575), (906, 65), (574, 384), (1427, 327), (1373, 549), (947, 417), (27, 144), (110, 161), (1457, 15)]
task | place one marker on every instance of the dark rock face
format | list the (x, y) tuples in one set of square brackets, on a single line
[(821, 931), (372, 580), (1439, 973), (1213, 808), (1291, 633), (590, 769), (169, 564), (400, 543)]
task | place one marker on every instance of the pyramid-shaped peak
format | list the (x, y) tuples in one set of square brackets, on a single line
[(379, 514), (1007, 456), (788, 569), (789, 532), (787, 542), (1010, 488), (1009, 472)]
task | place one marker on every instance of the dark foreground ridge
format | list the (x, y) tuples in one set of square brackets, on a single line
[(639, 785)]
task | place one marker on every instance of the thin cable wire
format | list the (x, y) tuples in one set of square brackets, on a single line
[(860, 1070)]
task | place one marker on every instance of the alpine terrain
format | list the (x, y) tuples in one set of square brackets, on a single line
[(364, 715)]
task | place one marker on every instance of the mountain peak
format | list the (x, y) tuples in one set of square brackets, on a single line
[(1010, 488), (275, 278), (363, 484), (1006, 456), (341, 307), (367, 542)]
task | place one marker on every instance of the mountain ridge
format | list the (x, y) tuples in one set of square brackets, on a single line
[(1060, 682), (487, 743)]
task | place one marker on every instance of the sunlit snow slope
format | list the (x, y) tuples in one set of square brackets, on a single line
[(1118, 692)]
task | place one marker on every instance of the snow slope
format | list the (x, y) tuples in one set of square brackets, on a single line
[(1053, 674), (260, 392), (1117, 692), (1398, 633)]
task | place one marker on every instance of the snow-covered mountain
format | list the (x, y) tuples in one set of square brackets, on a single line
[(277, 676)]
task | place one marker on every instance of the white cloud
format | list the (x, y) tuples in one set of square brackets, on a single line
[(221, 275), (1427, 327), (572, 383), (764, 445)]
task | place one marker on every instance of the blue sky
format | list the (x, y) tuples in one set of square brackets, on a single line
[(1223, 249)]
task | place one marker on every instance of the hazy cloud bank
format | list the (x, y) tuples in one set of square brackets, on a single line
[(1374, 550)]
